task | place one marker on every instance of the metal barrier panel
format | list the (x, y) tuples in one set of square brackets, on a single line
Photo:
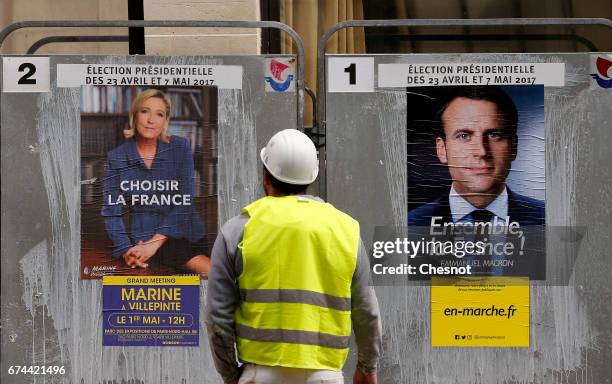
[(376, 161), (50, 315)]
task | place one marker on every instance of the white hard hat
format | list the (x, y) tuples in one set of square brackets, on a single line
[(291, 157)]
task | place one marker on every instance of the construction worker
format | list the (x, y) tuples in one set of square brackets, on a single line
[(288, 276)]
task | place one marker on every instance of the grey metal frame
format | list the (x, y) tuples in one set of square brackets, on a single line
[(433, 37), (180, 24), (321, 65), (495, 37), (76, 39)]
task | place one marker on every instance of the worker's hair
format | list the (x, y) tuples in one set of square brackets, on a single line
[(131, 131), (491, 93), (286, 188)]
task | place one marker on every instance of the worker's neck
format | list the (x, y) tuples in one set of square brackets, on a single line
[(271, 191), (276, 194)]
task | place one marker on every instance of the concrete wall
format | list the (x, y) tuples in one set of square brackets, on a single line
[(19, 41), (201, 41)]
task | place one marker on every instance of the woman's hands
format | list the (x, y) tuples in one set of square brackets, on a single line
[(138, 255), (130, 257)]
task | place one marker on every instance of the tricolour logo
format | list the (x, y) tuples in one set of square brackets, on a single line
[(279, 75), (602, 75)]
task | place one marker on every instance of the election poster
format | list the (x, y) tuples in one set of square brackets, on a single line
[(150, 311), (476, 201), (476, 178), (148, 179)]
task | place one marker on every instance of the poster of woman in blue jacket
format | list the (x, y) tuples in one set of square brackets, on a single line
[(152, 212)]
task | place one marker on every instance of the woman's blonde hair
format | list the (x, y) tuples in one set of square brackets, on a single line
[(137, 103)]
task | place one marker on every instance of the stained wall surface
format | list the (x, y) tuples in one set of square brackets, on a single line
[(49, 315)]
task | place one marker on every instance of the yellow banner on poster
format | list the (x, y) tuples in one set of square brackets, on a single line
[(151, 280), (480, 312)]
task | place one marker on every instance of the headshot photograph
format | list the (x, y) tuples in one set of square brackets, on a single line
[(476, 151), (148, 180)]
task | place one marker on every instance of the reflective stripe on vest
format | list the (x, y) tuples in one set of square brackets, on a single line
[(299, 257)]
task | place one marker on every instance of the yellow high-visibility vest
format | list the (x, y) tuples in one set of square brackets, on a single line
[(299, 256)]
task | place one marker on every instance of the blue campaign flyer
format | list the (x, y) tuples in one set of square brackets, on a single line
[(151, 310)]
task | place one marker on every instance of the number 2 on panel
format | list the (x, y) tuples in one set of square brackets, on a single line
[(31, 70)]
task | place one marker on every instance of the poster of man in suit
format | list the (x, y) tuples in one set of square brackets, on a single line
[(476, 156)]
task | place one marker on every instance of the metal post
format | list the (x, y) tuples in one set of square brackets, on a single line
[(75, 39), (492, 37)]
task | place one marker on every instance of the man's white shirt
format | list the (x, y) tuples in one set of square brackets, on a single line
[(461, 208)]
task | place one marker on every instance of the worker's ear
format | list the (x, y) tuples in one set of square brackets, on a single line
[(267, 185)]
